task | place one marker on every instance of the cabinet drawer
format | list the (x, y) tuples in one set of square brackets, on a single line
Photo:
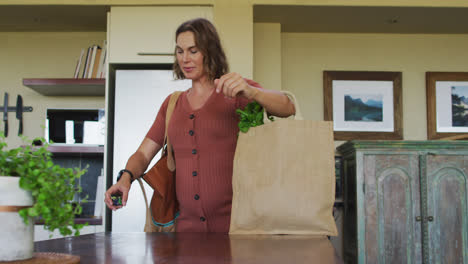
[(134, 30)]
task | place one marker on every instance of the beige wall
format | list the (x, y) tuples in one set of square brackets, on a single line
[(289, 61), (54, 55), (234, 22), (41, 55), (267, 55), (306, 55)]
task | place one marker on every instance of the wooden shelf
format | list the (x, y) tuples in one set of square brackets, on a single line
[(63, 148), (67, 87)]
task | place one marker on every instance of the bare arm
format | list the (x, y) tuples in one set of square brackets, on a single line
[(139, 161), (275, 102), (137, 164)]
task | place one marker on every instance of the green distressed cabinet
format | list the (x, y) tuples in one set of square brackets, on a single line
[(405, 201)]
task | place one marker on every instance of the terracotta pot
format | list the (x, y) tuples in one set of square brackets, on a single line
[(16, 238)]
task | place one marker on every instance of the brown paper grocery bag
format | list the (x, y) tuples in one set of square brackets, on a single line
[(284, 178), (281, 249)]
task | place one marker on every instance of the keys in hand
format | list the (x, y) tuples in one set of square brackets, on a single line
[(116, 200)]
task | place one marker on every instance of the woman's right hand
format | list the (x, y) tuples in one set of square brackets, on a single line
[(122, 187), (137, 163)]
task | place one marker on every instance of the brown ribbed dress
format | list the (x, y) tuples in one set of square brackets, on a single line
[(204, 141)]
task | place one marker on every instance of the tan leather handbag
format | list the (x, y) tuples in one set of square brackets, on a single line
[(161, 214)]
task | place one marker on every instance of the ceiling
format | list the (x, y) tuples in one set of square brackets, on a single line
[(53, 18), (347, 19)]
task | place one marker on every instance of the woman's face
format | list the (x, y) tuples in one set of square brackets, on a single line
[(189, 57)]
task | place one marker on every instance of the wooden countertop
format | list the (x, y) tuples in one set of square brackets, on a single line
[(193, 248)]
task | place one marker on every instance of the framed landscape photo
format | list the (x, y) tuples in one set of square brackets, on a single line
[(447, 104), (363, 104)]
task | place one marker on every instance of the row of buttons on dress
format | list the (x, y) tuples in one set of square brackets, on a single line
[(195, 173), (194, 151)]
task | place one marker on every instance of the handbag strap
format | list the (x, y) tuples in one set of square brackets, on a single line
[(148, 210), (170, 109)]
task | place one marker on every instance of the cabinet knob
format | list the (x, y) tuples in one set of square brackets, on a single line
[(418, 218), (430, 218)]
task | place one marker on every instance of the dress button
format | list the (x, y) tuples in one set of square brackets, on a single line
[(192, 116), (203, 219), (194, 173), (194, 151), (196, 197), (191, 132)]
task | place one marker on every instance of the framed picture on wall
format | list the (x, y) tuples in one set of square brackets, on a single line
[(363, 104), (447, 104)]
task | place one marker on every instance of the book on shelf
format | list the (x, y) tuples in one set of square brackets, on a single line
[(96, 62), (89, 73), (104, 67), (86, 66), (92, 62), (102, 61), (78, 64)]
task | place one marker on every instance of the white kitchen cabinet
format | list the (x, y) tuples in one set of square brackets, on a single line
[(135, 31)]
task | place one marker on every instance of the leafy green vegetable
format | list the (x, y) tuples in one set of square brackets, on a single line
[(251, 116)]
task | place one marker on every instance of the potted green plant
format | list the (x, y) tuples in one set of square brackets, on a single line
[(32, 186)]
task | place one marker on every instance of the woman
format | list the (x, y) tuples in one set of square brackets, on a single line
[(203, 130)]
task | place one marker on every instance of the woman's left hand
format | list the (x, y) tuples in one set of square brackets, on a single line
[(233, 84)]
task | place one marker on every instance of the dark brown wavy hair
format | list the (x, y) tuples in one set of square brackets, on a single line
[(208, 43)]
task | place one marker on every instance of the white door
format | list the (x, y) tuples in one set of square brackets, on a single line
[(138, 96)]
